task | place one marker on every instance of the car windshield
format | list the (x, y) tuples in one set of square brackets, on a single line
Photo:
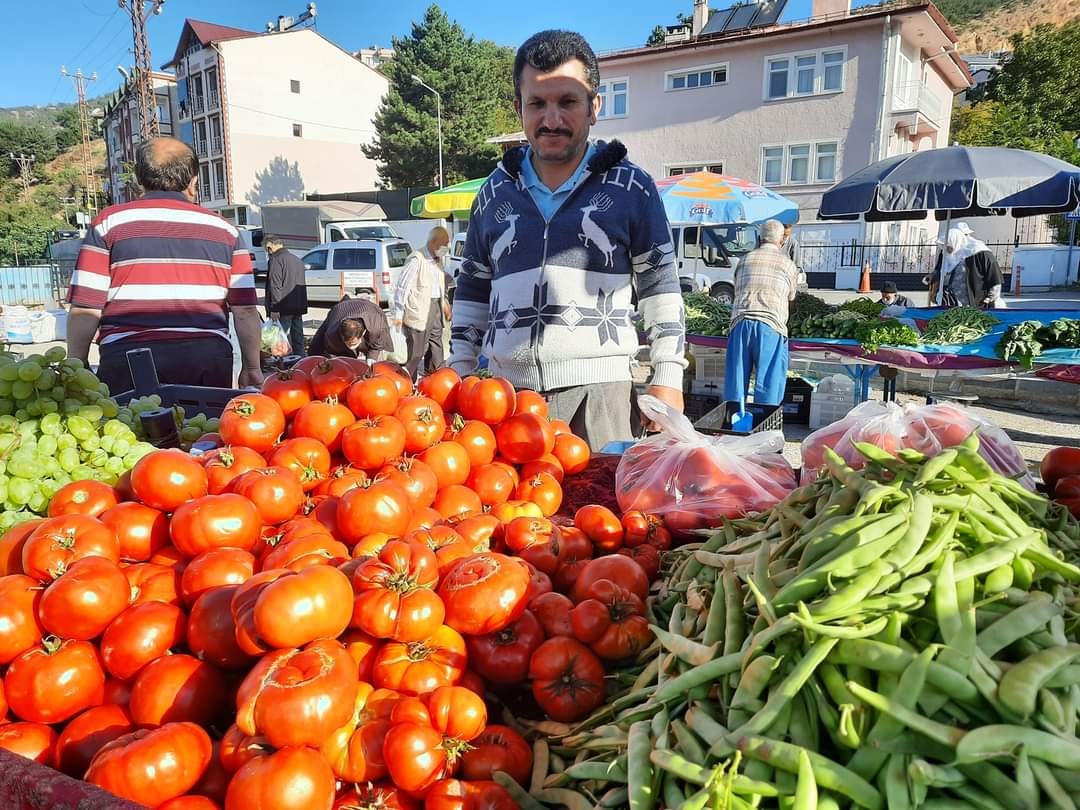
[(398, 254), (369, 232), (735, 240)]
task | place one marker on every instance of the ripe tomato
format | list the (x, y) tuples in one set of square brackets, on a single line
[(323, 420), (524, 437), (442, 387), (305, 551), (237, 748), (476, 437), (415, 477), (87, 497), (191, 801), (489, 399), (252, 420), (376, 506), (539, 582), (11, 546), (543, 490), (395, 595), (523, 532), (214, 568), (151, 582), (373, 441), (275, 491), (503, 656), (578, 546), (484, 593), (423, 749), (290, 389), (308, 459), (457, 794), (396, 373), (450, 462), (289, 779), (306, 364), (1067, 487), (572, 452), (355, 750), (341, 479), (19, 626), (302, 606), (298, 697), (419, 667), (621, 570), (331, 377), (600, 525), (81, 603), (423, 421), (165, 479), (457, 500), (548, 464), (141, 634), (179, 688), (547, 555), (527, 401), (373, 396), (87, 734), (117, 693), (140, 530), (58, 542), (552, 610), (561, 426), (379, 796), (475, 529), (152, 766), (54, 681), (647, 556), (34, 741), (498, 748), (641, 528), (211, 630), (362, 648), (1059, 463), (611, 621), (492, 483), (567, 679), (224, 464), (506, 512), (211, 522)]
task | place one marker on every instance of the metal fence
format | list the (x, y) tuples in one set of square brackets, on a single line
[(891, 258), (38, 284)]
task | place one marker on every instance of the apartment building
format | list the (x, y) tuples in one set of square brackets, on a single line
[(273, 116), (120, 127)]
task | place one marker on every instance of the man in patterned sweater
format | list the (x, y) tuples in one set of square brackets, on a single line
[(562, 234)]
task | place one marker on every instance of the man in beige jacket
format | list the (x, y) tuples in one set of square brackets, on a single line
[(419, 305)]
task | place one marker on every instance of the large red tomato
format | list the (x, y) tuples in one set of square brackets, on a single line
[(395, 596), (34, 741), (423, 421), (82, 602), (11, 546), (152, 766), (302, 606), (224, 464), (567, 679), (457, 500), (457, 794), (86, 497), (372, 507), (600, 525), (19, 626), (484, 593), (641, 528), (476, 437), (490, 400), (415, 477), (498, 748), (275, 491), (323, 420), (611, 621), (298, 697), (151, 582), (524, 437), (252, 420), (214, 568), (165, 479), (58, 542), (375, 796), (1059, 463), (308, 459), (179, 688), (290, 389), (211, 630), (87, 734), (355, 750), (289, 779), (543, 490), (572, 453), (492, 483), (54, 681), (373, 441), (141, 634), (503, 656), (527, 401), (553, 612), (419, 667), (243, 610), (331, 377), (442, 387), (618, 569), (140, 530), (450, 461), (216, 521), (376, 395)]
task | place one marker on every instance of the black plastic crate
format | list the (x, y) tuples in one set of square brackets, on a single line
[(797, 395), (696, 406), (718, 421), (192, 398)]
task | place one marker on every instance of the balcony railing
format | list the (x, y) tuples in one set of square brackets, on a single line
[(198, 104), (916, 97), (200, 148), (219, 190), (215, 145), (215, 100)]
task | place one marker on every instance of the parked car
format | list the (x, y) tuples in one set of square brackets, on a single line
[(354, 267), (453, 266), (251, 237), (305, 225)]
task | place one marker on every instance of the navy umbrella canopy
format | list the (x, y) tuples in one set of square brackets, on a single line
[(956, 182)]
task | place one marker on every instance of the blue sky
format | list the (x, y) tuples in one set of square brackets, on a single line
[(96, 36)]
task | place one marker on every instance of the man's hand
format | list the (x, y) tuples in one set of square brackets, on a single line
[(250, 377), (447, 311), (672, 397)]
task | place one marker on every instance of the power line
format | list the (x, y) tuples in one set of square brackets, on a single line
[(90, 41), (299, 120), (143, 78), (80, 81), (25, 162)]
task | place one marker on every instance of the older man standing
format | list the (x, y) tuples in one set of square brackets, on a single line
[(419, 304), (765, 283)]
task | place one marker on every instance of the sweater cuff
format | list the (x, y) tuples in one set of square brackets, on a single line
[(668, 374)]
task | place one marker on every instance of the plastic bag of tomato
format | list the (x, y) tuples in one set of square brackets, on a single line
[(318, 612)]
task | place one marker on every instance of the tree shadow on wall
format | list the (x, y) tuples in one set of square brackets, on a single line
[(280, 181)]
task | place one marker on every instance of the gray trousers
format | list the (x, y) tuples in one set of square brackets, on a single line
[(426, 344), (599, 413)]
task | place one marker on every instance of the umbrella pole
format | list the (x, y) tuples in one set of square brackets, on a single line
[(943, 236)]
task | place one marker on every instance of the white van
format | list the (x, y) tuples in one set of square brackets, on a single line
[(354, 268)]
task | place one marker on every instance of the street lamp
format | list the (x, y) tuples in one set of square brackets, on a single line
[(438, 118)]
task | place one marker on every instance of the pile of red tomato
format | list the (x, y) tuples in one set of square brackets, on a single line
[(309, 616), (1060, 471)]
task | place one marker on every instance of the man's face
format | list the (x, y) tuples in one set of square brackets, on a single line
[(354, 343), (557, 109), (436, 244), (887, 297), (787, 232)]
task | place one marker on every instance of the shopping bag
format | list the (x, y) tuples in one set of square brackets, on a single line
[(274, 340)]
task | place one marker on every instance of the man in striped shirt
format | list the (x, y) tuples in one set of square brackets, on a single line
[(163, 273)]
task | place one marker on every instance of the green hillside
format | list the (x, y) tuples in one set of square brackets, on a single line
[(959, 12)]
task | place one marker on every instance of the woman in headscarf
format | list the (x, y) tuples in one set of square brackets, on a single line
[(970, 275)]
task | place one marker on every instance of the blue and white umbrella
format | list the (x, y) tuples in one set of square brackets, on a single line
[(705, 198)]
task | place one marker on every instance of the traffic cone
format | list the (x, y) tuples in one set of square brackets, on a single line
[(864, 282)]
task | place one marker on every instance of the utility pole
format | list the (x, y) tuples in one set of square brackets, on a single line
[(144, 80), (84, 125), (25, 162)]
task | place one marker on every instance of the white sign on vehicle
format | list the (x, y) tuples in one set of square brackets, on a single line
[(358, 279)]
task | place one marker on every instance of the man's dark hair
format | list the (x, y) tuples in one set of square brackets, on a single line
[(272, 239), (165, 164), (351, 329), (547, 50)]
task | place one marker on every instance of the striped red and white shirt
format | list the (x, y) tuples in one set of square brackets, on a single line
[(161, 268)]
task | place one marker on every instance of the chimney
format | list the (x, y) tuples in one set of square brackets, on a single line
[(701, 16), (829, 8)]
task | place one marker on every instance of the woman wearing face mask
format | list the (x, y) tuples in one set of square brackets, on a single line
[(419, 305), (969, 272)]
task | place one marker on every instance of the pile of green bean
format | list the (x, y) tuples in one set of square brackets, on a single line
[(903, 636)]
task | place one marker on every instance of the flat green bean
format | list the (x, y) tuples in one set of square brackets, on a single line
[(1019, 687), (1001, 740)]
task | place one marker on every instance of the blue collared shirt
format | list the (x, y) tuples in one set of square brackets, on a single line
[(546, 200)]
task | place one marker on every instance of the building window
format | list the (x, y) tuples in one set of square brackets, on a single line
[(298, 130), (799, 164), (205, 189), (294, 85), (675, 171), (703, 76), (219, 180), (805, 74), (614, 98)]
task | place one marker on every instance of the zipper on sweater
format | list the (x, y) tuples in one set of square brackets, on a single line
[(536, 346)]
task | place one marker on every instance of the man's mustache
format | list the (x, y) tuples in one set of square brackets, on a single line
[(564, 132)]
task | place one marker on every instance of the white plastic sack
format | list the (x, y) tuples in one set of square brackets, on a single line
[(42, 327), (400, 354), (60, 318), (694, 480), (17, 325)]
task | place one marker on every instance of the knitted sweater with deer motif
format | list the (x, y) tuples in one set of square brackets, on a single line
[(550, 302)]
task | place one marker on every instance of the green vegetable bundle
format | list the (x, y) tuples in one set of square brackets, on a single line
[(958, 325), (806, 305), (874, 334), (903, 636), (1026, 340), (844, 324), (864, 306), (705, 315)]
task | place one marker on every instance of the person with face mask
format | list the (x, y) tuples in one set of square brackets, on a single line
[(354, 327), (419, 306), (969, 272), (891, 298)]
